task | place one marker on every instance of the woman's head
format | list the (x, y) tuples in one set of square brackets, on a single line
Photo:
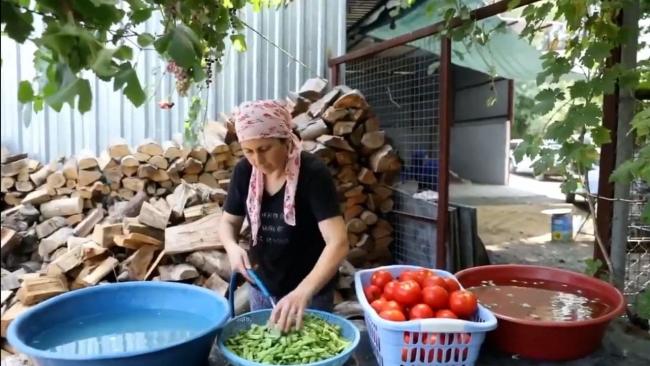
[(264, 133)]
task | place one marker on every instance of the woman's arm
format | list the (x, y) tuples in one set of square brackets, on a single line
[(336, 250), (229, 229), (323, 199)]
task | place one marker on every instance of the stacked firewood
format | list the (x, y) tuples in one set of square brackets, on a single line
[(152, 211)]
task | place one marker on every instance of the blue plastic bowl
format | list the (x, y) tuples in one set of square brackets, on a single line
[(349, 331), (125, 297)]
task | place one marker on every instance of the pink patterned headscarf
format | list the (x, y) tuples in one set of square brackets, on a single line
[(267, 119)]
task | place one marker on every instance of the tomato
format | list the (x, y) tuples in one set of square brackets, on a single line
[(408, 293), (378, 305), (372, 293), (420, 311), (392, 305), (381, 278), (389, 290), (411, 338), (433, 281), (405, 354), (436, 297), (435, 354), (424, 273), (409, 276), (463, 303), (393, 315), (463, 339), (451, 284), (446, 314)]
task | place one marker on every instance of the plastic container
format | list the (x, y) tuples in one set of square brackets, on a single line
[(125, 297), (261, 317), (547, 341), (561, 225), (449, 341)]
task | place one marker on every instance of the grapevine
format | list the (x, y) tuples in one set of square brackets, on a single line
[(182, 77)]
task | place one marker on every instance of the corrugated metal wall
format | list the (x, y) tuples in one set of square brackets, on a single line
[(307, 30)]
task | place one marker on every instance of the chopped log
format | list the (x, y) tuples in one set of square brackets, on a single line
[(62, 207), (151, 216), (150, 148), (118, 148), (198, 235), (178, 272)]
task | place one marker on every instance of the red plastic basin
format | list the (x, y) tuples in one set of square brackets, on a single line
[(541, 340)]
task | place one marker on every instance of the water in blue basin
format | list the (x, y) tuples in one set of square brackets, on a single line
[(115, 333)]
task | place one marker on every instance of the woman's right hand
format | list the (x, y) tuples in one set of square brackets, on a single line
[(239, 261)]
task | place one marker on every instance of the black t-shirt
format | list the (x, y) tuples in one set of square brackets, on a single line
[(286, 254)]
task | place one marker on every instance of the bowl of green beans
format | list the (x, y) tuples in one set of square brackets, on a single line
[(324, 340)]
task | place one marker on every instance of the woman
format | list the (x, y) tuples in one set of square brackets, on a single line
[(290, 199)]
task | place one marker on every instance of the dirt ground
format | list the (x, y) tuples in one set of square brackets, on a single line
[(515, 228), (521, 234)]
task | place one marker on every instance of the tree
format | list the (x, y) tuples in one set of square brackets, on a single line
[(100, 36), (593, 33)]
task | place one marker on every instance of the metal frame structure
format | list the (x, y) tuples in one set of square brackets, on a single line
[(445, 101), (610, 121)]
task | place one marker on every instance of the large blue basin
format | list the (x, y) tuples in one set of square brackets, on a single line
[(124, 296)]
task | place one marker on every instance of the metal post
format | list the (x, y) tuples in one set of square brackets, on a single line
[(624, 146), (444, 118)]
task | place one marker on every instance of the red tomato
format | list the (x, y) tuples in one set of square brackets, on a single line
[(433, 354), (463, 303), (405, 354), (424, 273), (408, 275), (446, 314), (411, 338), (408, 293), (378, 305), (383, 297), (392, 305), (433, 281), (372, 293), (393, 315), (420, 311), (451, 284), (381, 278), (389, 290), (464, 339), (436, 297)]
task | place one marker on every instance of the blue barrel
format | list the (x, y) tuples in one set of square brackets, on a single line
[(561, 225)]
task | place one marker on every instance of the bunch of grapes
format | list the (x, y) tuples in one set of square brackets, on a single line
[(209, 62), (182, 77), (233, 14)]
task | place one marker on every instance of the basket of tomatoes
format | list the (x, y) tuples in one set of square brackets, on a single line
[(420, 316)]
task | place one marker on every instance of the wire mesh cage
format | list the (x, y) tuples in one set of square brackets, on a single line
[(401, 86), (637, 270)]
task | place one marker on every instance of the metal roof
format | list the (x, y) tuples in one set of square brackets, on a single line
[(359, 10)]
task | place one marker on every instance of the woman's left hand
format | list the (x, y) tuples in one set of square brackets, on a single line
[(290, 309)]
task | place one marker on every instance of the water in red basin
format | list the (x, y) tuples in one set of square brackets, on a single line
[(544, 313), (541, 301)]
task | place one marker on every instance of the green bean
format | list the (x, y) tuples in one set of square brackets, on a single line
[(316, 341)]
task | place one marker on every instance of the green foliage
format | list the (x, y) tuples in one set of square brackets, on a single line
[(592, 34), (99, 36)]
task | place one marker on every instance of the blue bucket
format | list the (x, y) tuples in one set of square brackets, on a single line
[(127, 296)]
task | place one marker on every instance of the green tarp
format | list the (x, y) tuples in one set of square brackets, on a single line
[(509, 56)]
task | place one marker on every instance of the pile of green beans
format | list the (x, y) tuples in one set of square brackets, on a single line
[(316, 341)]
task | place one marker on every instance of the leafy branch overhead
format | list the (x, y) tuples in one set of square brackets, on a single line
[(100, 36), (591, 35)]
